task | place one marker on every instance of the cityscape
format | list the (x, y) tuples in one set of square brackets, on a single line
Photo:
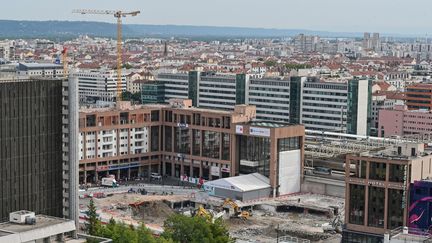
[(121, 125)]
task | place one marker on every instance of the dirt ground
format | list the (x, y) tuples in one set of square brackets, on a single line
[(261, 227)]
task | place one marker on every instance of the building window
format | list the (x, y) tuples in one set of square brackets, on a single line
[(395, 212), (356, 204), (396, 173), (211, 144), (196, 142), (377, 171), (154, 138), (181, 140), (225, 146), (154, 116), (376, 207), (168, 138), (287, 144)]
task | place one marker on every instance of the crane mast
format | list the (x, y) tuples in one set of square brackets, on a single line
[(118, 15)]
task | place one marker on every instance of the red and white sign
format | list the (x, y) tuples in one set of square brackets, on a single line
[(239, 129)]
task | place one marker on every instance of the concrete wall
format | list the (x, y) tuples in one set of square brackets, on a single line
[(320, 186), (289, 172)]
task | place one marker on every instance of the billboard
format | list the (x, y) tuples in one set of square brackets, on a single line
[(420, 208)]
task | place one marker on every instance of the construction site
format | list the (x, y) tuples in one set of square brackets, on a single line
[(315, 214), (304, 217)]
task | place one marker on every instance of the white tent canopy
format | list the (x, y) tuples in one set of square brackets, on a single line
[(243, 183)]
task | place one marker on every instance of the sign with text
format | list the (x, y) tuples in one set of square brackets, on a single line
[(259, 131)]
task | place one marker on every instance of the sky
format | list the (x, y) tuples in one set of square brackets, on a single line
[(385, 16)]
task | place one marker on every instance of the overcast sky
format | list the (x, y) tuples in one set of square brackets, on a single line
[(388, 16)]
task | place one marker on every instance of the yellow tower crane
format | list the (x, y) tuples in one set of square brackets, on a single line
[(119, 15)]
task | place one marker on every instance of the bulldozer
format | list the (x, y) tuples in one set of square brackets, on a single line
[(238, 213)]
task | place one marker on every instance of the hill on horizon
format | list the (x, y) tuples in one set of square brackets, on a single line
[(71, 29)]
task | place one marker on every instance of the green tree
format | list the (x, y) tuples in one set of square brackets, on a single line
[(270, 63), (185, 229), (127, 66), (93, 224)]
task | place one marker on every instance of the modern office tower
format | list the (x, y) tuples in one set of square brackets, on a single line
[(377, 190), (328, 106), (271, 98), (223, 92), (419, 96), (175, 85), (179, 140), (153, 92), (37, 164), (98, 85)]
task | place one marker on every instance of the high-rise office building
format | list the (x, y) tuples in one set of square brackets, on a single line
[(38, 164), (327, 106), (97, 85)]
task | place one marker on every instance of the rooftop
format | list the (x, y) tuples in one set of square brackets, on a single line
[(41, 222), (45, 226), (269, 124)]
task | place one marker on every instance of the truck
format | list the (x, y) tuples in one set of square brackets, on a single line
[(109, 182)]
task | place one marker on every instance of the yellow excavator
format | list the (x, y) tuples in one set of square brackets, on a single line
[(237, 212), (210, 216)]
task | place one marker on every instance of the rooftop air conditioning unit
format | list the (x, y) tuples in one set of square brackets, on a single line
[(22, 217)]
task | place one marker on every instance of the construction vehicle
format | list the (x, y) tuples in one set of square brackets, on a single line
[(238, 213), (210, 215), (109, 182), (335, 225), (118, 15)]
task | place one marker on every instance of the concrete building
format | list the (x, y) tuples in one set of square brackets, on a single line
[(95, 85), (42, 228), (135, 80), (179, 140), (304, 43), (7, 50), (223, 92), (49, 70), (379, 102), (377, 189), (371, 42), (419, 96), (401, 121), (38, 147), (329, 106)]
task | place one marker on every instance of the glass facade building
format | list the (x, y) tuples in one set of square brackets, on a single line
[(377, 190)]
